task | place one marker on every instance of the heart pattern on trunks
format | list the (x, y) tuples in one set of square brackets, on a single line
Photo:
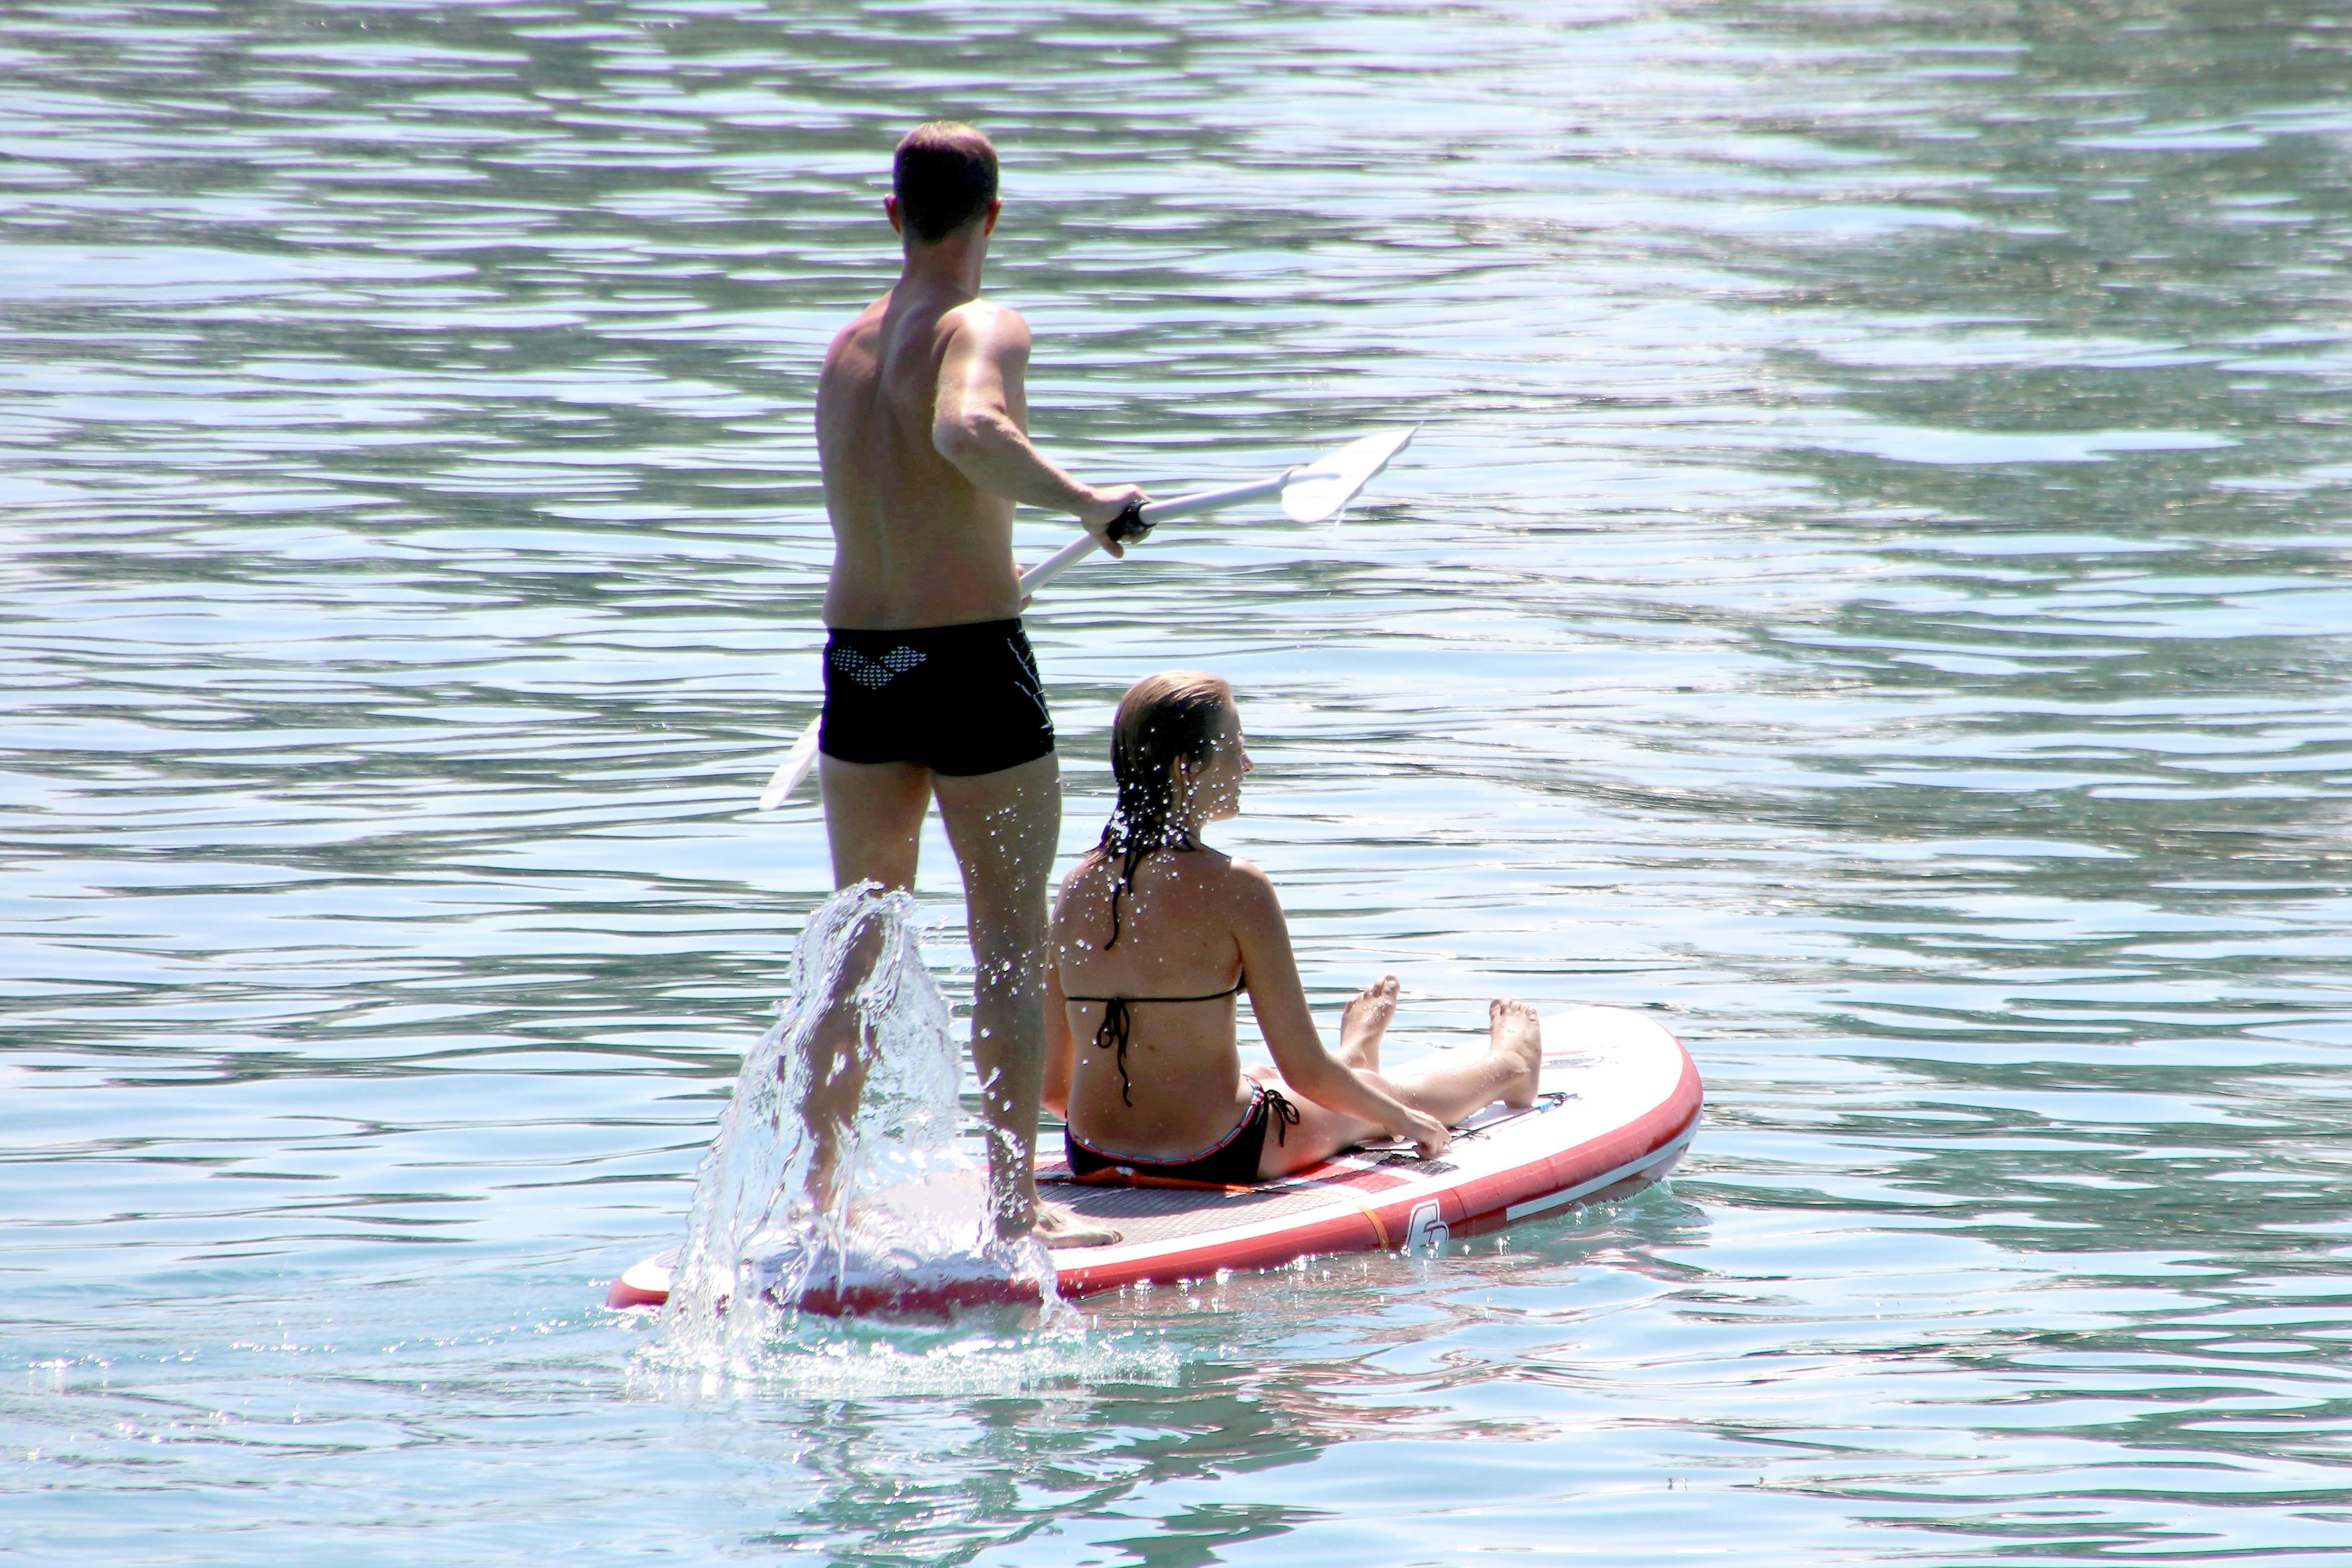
[(876, 673)]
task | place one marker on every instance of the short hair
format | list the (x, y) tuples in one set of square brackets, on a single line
[(944, 176)]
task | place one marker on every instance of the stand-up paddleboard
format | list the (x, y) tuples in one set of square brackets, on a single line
[(1619, 1103)]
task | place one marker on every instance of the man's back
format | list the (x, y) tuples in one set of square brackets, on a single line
[(916, 543), (931, 690)]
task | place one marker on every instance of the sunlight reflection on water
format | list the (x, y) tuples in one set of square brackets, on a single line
[(1870, 582)]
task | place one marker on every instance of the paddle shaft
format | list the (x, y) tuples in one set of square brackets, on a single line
[(802, 756), (1154, 513)]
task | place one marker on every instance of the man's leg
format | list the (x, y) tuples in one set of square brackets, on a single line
[(874, 817), (1005, 827)]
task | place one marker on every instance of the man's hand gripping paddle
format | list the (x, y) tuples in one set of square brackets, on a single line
[(1312, 493)]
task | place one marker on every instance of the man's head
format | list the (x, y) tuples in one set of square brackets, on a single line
[(943, 181)]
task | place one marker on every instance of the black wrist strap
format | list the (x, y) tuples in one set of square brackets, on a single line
[(1129, 526)]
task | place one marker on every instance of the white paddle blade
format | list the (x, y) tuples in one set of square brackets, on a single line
[(1324, 488), (791, 770)]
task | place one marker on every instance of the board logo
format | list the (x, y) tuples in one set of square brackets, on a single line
[(1426, 1232)]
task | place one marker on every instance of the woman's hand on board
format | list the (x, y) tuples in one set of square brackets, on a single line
[(1429, 1134)]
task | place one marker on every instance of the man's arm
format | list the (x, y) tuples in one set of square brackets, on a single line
[(974, 427)]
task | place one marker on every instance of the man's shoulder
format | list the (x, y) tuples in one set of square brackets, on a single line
[(862, 328), (987, 324)]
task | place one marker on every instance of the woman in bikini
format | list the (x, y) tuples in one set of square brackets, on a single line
[(1156, 934)]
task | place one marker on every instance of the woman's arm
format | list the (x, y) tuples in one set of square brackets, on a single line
[(1061, 1050), (1279, 999)]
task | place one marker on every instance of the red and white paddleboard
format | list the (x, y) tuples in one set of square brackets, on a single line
[(1621, 1100)]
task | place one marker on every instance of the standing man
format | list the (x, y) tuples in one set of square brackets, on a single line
[(930, 689)]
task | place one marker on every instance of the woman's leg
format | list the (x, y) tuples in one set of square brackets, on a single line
[(1512, 1063), (1320, 1134), (1445, 1087), (1366, 1022)]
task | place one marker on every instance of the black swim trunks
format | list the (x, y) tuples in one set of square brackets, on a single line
[(959, 700), (1230, 1161)]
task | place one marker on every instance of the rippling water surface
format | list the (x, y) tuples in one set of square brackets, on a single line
[(1871, 583)]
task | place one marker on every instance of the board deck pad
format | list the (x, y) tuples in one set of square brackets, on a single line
[(1619, 1101), (1144, 1214)]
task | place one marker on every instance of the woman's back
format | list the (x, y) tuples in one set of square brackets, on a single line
[(1156, 1001)]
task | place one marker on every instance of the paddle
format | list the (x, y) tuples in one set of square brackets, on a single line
[(1311, 493)]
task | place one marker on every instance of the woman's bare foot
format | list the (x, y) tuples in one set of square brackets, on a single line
[(1518, 1036), (1364, 1023), (1060, 1227)]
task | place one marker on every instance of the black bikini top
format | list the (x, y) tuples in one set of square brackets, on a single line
[(1117, 1022)]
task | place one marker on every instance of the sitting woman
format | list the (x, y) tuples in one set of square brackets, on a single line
[(1155, 935)]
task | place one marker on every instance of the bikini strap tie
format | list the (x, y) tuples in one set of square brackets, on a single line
[(1286, 1114), (1119, 1025)]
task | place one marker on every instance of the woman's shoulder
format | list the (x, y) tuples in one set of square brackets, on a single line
[(1235, 869), (1234, 882), (1199, 868), (1090, 864), (1215, 868)]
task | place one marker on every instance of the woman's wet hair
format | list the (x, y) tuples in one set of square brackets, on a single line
[(1177, 715)]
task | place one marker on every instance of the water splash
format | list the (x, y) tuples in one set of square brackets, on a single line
[(889, 1214)]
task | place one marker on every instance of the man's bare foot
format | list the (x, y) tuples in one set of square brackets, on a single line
[(1366, 1021), (1060, 1227), (1518, 1035)]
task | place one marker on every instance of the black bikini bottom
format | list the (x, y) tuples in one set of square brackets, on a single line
[(959, 700), (1232, 1161)]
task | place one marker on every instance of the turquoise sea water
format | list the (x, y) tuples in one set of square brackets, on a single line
[(1872, 583)]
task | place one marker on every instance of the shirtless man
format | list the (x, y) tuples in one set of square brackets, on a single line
[(929, 686)]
